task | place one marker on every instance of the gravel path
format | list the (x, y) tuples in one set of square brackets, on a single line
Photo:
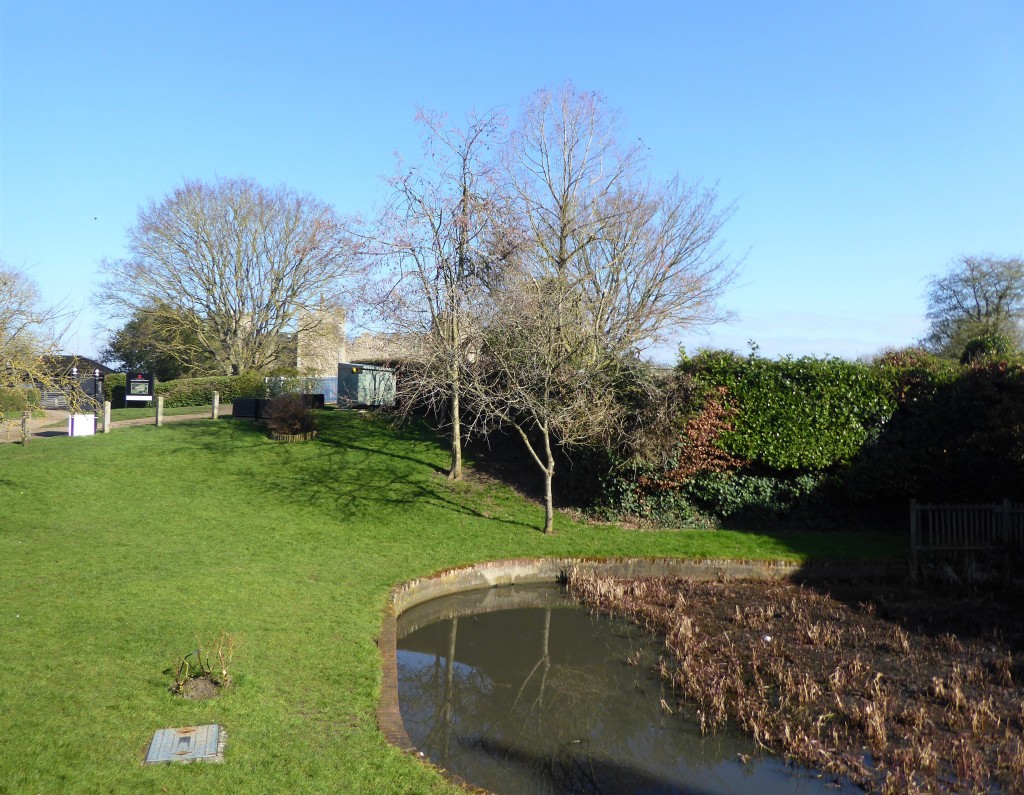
[(55, 423)]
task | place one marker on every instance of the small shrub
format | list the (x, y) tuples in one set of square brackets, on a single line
[(198, 666), (289, 414)]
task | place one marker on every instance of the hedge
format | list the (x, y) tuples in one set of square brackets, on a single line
[(14, 401), (812, 434), (199, 391), (194, 391), (796, 414)]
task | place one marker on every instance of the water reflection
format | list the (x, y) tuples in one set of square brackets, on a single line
[(548, 699)]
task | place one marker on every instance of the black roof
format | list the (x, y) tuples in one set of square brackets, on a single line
[(61, 365)]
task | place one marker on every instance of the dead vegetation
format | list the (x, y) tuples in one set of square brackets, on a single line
[(901, 689)]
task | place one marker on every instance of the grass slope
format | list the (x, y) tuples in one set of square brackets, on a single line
[(118, 551)]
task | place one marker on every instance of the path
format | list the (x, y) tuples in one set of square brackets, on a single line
[(55, 423)]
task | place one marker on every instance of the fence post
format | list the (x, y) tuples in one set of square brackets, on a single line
[(25, 415), (1007, 526), (159, 411), (106, 416), (215, 409), (913, 538)]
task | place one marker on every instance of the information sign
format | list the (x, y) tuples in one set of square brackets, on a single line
[(140, 387)]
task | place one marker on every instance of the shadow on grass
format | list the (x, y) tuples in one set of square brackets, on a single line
[(356, 464)]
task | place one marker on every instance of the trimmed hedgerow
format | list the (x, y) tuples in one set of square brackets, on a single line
[(795, 414), (199, 391), (806, 435), (958, 434)]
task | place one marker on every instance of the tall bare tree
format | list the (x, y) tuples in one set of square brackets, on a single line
[(977, 296), (608, 263), (227, 269), (30, 333), (431, 242)]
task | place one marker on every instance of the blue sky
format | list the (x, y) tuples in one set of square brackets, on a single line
[(866, 143)]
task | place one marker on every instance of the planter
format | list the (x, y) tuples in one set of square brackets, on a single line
[(248, 408), (292, 437)]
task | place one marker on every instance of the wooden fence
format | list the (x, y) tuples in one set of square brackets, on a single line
[(964, 528)]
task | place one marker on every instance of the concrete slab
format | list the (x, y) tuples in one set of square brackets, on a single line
[(187, 744)]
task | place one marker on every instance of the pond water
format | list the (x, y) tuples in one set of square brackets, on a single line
[(520, 690)]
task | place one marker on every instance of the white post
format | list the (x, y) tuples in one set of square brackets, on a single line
[(25, 416), (215, 409), (106, 416), (159, 411)]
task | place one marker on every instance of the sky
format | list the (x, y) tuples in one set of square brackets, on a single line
[(865, 143)]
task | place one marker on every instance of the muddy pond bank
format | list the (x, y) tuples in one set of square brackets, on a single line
[(901, 687)]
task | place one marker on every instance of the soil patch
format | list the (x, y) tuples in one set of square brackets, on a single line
[(200, 688), (901, 687)]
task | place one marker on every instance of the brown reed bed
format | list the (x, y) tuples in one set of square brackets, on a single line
[(899, 687)]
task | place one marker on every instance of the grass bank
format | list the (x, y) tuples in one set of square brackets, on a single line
[(119, 551)]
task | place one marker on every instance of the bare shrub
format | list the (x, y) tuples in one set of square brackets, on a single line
[(199, 664), (289, 415)]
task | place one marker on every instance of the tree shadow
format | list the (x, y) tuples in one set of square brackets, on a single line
[(354, 465)]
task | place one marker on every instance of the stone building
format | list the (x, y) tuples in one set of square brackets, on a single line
[(320, 343)]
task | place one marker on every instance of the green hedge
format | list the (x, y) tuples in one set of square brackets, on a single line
[(814, 436), (192, 391), (796, 414), (199, 391), (113, 382), (953, 438), (14, 401)]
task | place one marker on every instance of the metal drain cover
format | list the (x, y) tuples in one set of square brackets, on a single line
[(187, 744)]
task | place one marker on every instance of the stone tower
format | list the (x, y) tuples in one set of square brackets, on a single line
[(321, 342)]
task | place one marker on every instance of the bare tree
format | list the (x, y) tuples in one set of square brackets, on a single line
[(977, 296), (30, 332), (608, 263), (431, 243), (227, 269)]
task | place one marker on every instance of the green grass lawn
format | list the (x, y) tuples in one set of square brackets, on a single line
[(118, 551)]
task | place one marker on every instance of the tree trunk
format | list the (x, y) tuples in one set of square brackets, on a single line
[(455, 473), (549, 474), (548, 469)]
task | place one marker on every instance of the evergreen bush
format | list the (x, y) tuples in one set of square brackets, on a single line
[(795, 414), (199, 391)]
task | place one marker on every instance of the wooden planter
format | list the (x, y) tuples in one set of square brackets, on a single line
[(292, 437)]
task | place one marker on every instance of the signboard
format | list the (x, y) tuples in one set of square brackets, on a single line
[(140, 387)]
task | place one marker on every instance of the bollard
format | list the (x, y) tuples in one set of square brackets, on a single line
[(106, 416), (25, 416), (216, 406), (159, 411)]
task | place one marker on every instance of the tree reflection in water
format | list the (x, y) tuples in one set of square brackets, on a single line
[(549, 699)]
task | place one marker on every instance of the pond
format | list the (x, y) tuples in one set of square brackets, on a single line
[(519, 690)]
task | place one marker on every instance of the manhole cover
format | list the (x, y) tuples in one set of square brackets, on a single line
[(187, 744)]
